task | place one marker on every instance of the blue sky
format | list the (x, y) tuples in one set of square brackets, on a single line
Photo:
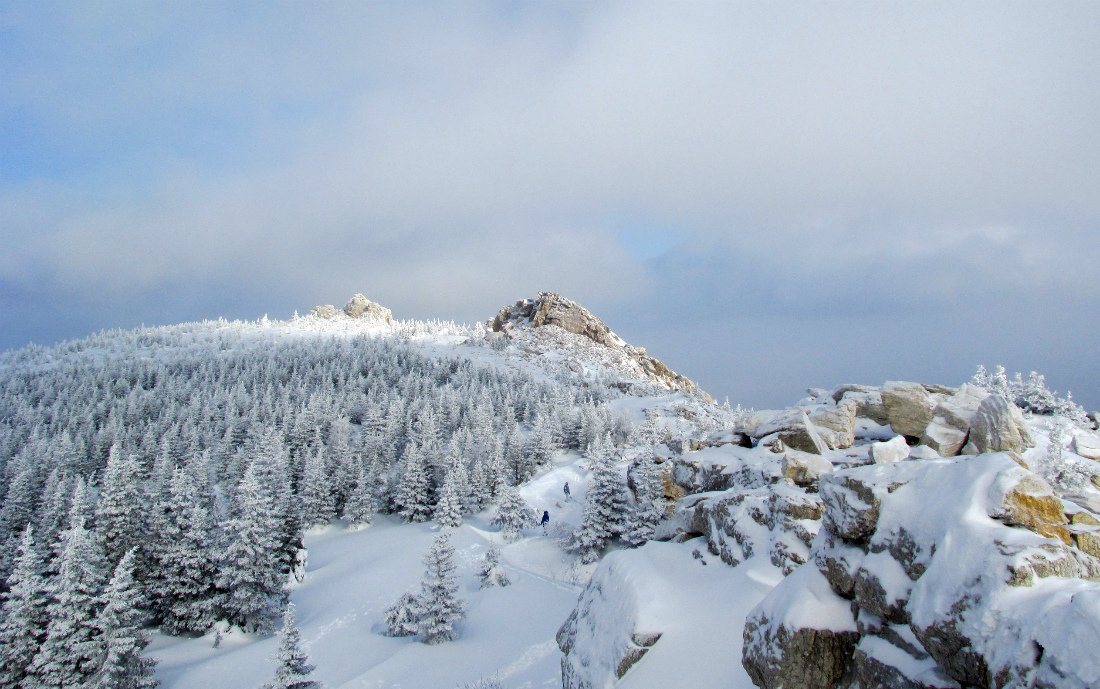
[(768, 196)]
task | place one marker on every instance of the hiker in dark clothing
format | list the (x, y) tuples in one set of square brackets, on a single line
[(566, 489), (545, 517)]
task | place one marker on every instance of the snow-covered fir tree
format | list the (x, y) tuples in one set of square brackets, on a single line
[(359, 506), (293, 669), (413, 500), (449, 509), (120, 514), (318, 500), (120, 624), (23, 616), (403, 617), (73, 646), (648, 507), (514, 514), (440, 606), (250, 573), (492, 571), (605, 505)]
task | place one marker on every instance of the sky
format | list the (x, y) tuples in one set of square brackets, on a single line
[(768, 196)]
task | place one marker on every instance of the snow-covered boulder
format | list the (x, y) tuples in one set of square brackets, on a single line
[(997, 426), (950, 425), (804, 468), (778, 521), (1087, 445), (801, 635), (890, 451)]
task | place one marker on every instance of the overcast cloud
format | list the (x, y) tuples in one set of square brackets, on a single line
[(766, 195)]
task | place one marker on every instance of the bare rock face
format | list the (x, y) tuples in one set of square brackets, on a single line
[(950, 425), (326, 311), (361, 307), (868, 401), (550, 308), (997, 426), (909, 407), (1020, 498), (804, 468)]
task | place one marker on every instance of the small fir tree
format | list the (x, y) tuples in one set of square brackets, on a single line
[(492, 571), (514, 515), (648, 507), (359, 508), (403, 617), (448, 511), (294, 668), (440, 607)]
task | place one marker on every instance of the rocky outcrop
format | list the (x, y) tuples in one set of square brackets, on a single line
[(815, 429), (550, 309), (358, 307), (361, 307), (778, 521), (927, 588), (998, 426)]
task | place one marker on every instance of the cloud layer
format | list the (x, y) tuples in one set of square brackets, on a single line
[(910, 188)]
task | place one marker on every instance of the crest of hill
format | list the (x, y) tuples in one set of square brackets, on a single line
[(551, 309)]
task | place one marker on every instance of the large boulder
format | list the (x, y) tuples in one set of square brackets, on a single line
[(1020, 498), (868, 401), (909, 407), (997, 426), (801, 635), (949, 428), (880, 664), (852, 503)]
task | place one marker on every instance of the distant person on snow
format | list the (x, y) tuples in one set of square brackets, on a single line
[(545, 518), (566, 489)]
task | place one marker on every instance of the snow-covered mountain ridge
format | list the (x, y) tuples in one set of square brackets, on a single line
[(902, 535)]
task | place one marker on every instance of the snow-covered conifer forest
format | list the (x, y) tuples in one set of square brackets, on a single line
[(345, 500)]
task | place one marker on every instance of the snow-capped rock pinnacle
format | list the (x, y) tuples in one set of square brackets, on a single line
[(552, 309)]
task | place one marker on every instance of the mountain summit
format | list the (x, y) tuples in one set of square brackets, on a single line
[(552, 309)]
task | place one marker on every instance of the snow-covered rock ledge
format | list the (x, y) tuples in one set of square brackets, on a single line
[(959, 572)]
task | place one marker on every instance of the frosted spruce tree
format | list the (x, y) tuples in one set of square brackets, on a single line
[(403, 617), (294, 669), (183, 580), (73, 646), (449, 509), (23, 616), (514, 514), (440, 607), (412, 497), (359, 507), (492, 571), (120, 514), (605, 505), (649, 505), (250, 572), (318, 506), (120, 624)]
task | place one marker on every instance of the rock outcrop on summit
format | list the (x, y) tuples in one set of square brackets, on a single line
[(553, 310), (357, 307)]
